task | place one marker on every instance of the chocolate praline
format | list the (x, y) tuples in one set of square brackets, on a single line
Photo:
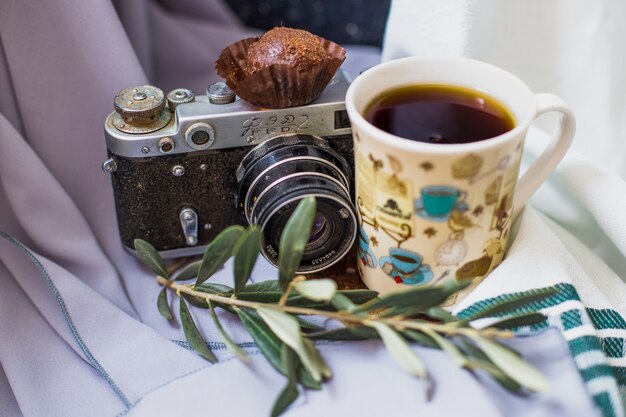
[(285, 46)]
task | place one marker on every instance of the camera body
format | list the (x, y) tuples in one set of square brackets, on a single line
[(182, 173)]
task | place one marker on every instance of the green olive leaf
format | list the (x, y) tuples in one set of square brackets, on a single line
[(163, 306), (359, 296), (346, 333), (294, 238), (478, 360), (270, 292), (261, 292), (418, 299), (294, 300), (227, 339), (192, 334), (519, 320), (271, 285), (210, 288), (306, 325), (317, 289), (213, 288), (246, 253), (218, 252), (287, 329), (151, 258), (420, 338), (316, 356), (439, 313), (514, 302), (290, 393), (260, 296), (263, 336), (346, 300), (513, 365), (270, 345), (189, 272), (496, 373), (401, 352), (447, 346), (196, 301), (343, 303)]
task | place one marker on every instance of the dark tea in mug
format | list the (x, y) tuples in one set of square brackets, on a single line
[(442, 114)]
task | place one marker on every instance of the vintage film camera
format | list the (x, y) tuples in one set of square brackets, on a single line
[(184, 171)]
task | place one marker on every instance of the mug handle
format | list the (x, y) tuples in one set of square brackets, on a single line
[(559, 143)]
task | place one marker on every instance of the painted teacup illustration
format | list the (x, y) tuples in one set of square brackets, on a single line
[(438, 201), (366, 256), (406, 267)]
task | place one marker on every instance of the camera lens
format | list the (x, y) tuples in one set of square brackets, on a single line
[(273, 178), (319, 226)]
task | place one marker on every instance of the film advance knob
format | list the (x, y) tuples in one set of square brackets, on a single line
[(140, 109), (220, 93)]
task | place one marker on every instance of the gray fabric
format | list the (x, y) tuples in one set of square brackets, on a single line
[(79, 331)]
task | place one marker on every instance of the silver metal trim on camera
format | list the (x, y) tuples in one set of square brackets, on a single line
[(307, 158), (200, 127), (166, 145), (109, 166), (173, 253), (234, 124), (189, 222), (178, 170), (251, 218)]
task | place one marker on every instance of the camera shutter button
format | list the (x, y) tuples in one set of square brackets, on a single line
[(179, 96), (220, 93)]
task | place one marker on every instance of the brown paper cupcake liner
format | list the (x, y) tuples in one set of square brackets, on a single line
[(277, 86)]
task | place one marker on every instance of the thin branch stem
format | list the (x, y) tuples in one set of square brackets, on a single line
[(345, 317), (283, 298)]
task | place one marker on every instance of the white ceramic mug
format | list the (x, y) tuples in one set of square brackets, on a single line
[(428, 211)]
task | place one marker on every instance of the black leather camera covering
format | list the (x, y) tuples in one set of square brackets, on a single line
[(149, 198)]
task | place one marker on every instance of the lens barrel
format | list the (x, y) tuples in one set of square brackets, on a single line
[(275, 175)]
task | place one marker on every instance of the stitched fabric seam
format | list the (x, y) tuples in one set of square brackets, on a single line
[(79, 340)]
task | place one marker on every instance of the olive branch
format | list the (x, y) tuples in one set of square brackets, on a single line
[(273, 312)]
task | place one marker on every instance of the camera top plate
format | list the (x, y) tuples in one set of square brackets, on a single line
[(234, 124)]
